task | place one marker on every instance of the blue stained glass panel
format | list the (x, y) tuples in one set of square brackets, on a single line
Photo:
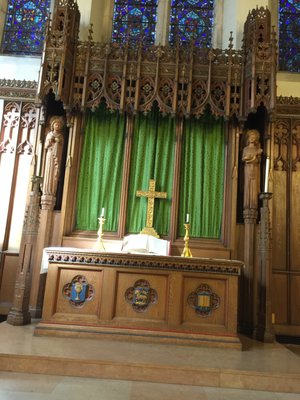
[(192, 21), (24, 30), (289, 35), (134, 21)]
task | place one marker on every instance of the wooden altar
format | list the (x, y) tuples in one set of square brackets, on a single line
[(141, 297)]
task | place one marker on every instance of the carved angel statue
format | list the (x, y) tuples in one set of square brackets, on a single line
[(53, 147), (251, 156)]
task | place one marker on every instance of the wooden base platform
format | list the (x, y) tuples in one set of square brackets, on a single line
[(140, 335)]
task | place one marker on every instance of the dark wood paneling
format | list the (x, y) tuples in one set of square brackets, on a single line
[(279, 297)]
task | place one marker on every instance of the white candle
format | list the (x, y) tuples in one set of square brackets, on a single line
[(102, 212), (187, 218), (267, 175)]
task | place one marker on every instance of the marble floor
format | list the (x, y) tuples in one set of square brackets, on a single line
[(24, 386), (51, 368)]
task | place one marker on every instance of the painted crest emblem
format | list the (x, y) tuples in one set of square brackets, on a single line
[(203, 300), (78, 291), (141, 295)]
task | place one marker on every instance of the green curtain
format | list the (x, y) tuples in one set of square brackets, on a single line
[(202, 177), (152, 158), (100, 177)]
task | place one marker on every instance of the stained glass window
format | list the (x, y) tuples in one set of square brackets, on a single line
[(289, 35), (192, 20), (25, 26), (134, 21)]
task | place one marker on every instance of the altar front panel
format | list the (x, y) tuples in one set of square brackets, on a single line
[(191, 301)]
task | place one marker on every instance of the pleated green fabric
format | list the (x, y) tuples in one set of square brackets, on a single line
[(202, 177), (100, 177), (152, 158)]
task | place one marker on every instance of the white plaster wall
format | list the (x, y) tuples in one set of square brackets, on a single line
[(85, 7), (101, 18), (288, 84), (20, 67), (235, 13)]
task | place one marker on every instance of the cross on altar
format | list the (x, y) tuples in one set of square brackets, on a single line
[(151, 194)]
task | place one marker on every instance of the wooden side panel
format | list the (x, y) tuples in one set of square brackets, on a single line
[(7, 289), (295, 222), (64, 304), (128, 280), (279, 297), (279, 220), (59, 305), (218, 287), (295, 300)]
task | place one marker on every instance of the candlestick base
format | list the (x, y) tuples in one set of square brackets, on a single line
[(186, 251), (100, 244)]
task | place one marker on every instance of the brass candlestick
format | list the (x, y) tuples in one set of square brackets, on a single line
[(100, 244), (186, 251)]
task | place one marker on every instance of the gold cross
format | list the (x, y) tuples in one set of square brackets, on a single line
[(151, 194)]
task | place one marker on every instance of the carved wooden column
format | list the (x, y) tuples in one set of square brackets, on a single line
[(19, 313), (250, 218), (53, 154), (251, 157), (264, 328)]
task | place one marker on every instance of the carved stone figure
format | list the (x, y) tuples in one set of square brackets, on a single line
[(53, 148), (251, 157)]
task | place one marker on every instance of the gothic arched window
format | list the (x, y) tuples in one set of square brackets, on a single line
[(289, 35), (25, 26), (134, 21), (192, 20)]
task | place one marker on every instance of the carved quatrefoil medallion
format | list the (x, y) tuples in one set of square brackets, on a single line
[(78, 291), (203, 300), (141, 296)]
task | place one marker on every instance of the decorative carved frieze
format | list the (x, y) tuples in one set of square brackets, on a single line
[(18, 89), (288, 105), (135, 261), (182, 80)]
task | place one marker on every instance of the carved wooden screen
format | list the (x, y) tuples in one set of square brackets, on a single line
[(289, 35), (17, 139), (24, 30)]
